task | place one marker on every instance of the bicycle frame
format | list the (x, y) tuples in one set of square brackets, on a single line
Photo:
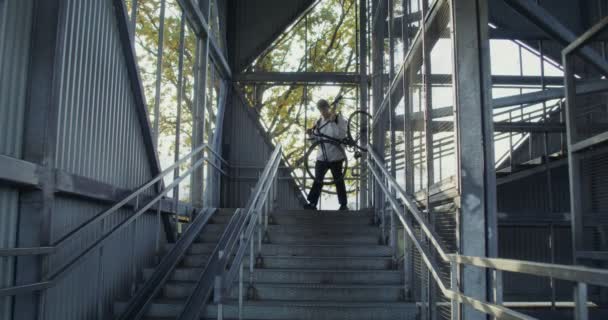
[(346, 142)]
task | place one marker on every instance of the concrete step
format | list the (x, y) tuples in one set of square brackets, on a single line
[(324, 212), (324, 292), (309, 310), (294, 249), (337, 238), (214, 232), (315, 262), (322, 276), (295, 310), (327, 250), (316, 218), (306, 262), (318, 276), (301, 291), (281, 236), (309, 218)]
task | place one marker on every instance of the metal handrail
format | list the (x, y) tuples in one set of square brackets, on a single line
[(451, 293), (239, 236), (581, 275), (136, 307), (51, 278), (67, 266)]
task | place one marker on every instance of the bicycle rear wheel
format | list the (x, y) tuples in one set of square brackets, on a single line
[(355, 123), (321, 147)]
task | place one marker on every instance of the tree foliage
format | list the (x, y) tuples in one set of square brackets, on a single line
[(325, 40)]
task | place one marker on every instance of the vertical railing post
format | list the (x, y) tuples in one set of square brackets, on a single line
[(581, 311), (259, 222), (133, 261), (251, 257), (454, 277), (217, 297), (241, 293)]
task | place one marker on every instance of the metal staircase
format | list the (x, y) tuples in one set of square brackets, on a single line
[(261, 262), (314, 265)]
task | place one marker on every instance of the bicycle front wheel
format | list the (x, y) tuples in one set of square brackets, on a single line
[(324, 147), (355, 122)]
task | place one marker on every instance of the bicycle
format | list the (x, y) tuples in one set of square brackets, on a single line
[(350, 143)]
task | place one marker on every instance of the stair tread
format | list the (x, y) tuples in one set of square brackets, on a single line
[(293, 270), (308, 285), (325, 257), (324, 270), (301, 303)]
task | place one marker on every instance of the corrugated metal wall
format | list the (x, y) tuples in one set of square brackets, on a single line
[(530, 195), (529, 219), (15, 27), (90, 289), (247, 146), (100, 137), (515, 243), (99, 134)]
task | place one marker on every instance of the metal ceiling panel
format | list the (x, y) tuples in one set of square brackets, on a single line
[(256, 24)]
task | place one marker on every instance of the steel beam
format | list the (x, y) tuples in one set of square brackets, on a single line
[(18, 172), (75, 186), (299, 77), (555, 29), (418, 125), (550, 94), (201, 27), (589, 87)]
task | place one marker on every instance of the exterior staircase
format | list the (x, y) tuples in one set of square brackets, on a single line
[(313, 265)]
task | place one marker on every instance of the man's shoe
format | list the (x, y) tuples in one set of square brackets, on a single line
[(343, 208), (309, 206)]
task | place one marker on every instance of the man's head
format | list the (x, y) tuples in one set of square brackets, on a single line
[(323, 107)]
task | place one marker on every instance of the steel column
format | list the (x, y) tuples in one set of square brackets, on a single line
[(159, 71), (408, 261), (377, 90), (180, 93), (198, 129), (134, 7), (363, 98), (574, 159), (474, 132), (41, 118)]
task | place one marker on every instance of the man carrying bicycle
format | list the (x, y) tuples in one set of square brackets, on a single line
[(329, 156)]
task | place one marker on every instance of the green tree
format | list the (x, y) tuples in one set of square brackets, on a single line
[(323, 41)]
